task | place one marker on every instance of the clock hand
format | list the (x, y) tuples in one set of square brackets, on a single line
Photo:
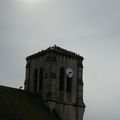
[(69, 73)]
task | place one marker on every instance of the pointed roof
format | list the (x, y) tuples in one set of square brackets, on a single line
[(57, 50)]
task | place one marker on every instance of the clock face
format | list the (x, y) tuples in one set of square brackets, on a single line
[(69, 72)]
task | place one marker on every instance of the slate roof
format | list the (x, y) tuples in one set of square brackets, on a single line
[(57, 50)]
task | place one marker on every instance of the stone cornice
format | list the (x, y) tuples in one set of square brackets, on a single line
[(56, 50), (82, 105)]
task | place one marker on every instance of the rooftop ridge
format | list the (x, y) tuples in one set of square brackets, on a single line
[(57, 50)]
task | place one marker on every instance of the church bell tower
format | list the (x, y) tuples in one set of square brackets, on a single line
[(57, 75)]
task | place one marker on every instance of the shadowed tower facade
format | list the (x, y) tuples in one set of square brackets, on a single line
[(57, 75)]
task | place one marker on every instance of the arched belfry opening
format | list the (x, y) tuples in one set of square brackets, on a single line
[(56, 75), (35, 79), (40, 78), (61, 79), (69, 84)]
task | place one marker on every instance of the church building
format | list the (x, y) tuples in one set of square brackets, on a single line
[(57, 75)]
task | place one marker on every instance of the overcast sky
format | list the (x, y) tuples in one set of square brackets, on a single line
[(88, 27)]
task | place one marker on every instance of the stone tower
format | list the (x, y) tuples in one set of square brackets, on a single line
[(57, 75)]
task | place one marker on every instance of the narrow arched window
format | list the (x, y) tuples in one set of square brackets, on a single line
[(27, 85), (61, 78), (35, 79), (69, 84), (41, 78)]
